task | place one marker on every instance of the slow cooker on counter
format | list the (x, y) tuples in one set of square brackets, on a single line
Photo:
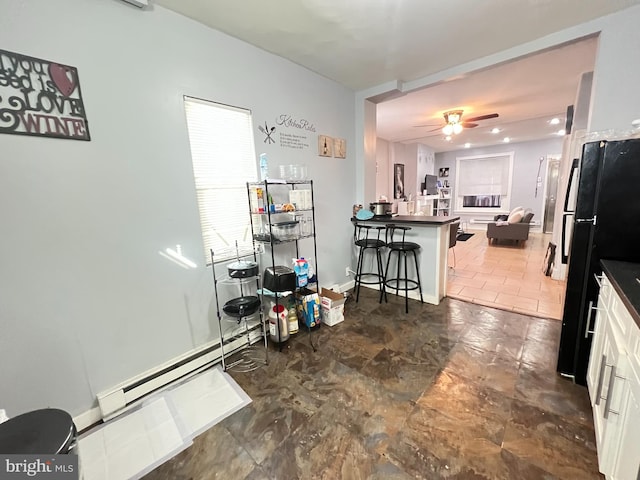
[(381, 208)]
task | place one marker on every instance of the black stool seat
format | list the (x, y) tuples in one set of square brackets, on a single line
[(46, 431), (403, 246), (401, 249), (370, 243), (362, 239)]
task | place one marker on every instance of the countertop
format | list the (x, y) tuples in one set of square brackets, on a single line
[(624, 278), (413, 219)]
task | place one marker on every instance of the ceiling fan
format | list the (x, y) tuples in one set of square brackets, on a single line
[(455, 125)]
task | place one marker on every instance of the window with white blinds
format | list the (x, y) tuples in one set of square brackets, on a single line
[(484, 175), (223, 156)]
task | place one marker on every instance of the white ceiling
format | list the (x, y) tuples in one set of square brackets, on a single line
[(365, 43), (526, 94)]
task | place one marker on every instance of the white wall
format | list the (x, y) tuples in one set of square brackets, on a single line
[(426, 164), (383, 170), (616, 96), (86, 301), (525, 171)]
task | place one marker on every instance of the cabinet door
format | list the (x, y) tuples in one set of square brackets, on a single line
[(608, 401), (595, 372), (627, 464)]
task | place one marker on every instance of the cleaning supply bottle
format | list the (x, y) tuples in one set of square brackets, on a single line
[(301, 267), (293, 316), (278, 323), (264, 167)]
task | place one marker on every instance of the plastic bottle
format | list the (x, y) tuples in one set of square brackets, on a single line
[(293, 317), (264, 167), (301, 267), (278, 323)]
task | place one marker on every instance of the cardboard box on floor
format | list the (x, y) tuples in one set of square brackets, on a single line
[(332, 307)]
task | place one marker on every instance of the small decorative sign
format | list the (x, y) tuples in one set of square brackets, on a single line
[(339, 148), (39, 97), (325, 146), (267, 132)]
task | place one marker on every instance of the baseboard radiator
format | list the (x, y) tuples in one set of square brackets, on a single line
[(120, 399)]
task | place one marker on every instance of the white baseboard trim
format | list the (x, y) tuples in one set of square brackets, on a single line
[(347, 286), (412, 294), (88, 418)]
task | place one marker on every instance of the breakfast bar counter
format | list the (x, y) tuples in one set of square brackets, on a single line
[(432, 234)]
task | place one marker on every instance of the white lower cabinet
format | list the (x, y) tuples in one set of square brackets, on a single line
[(613, 381), (627, 462)]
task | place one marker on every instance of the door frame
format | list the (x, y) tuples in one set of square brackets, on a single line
[(549, 158)]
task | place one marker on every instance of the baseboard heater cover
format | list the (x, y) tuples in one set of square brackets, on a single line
[(119, 399)]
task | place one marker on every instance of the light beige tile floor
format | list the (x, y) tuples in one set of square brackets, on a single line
[(505, 275)]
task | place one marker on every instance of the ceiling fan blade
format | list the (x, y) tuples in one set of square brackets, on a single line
[(469, 125), (428, 125), (482, 117)]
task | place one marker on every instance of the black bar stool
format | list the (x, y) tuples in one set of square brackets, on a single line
[(402, 248), (362, 239)]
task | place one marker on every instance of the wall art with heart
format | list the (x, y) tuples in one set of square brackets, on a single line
[(40, 97)]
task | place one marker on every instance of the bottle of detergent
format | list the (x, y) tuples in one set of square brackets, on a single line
[(278, 323), (301, 267)]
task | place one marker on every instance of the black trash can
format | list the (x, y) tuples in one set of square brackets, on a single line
[(46, 431)]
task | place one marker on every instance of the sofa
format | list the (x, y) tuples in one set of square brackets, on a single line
[(514, 227)]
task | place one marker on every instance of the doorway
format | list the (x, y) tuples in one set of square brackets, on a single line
[(551, 192)]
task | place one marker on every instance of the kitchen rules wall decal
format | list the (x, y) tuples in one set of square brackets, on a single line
[(40, 97), (291, 132)]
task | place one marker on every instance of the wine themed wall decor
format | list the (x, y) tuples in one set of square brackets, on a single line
[(40, 97)]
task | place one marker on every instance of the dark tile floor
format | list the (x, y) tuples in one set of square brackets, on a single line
[(450, 391)]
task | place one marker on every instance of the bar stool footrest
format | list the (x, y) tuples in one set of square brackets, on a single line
[(407, 284)]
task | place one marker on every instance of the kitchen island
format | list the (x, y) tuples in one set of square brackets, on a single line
[(432, 234)]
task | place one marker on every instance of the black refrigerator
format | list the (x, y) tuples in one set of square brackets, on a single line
[(605, 224)]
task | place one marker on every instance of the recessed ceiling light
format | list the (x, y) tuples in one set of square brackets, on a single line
[(554, 121), (562, 132), (495, 130), (506, 139), (467, 145)]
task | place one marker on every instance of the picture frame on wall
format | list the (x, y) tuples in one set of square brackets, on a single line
[(339, 148), (443, 172), (325, 146), (398, 181)]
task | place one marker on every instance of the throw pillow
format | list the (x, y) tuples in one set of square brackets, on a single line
[(516, 209), (516, 216)]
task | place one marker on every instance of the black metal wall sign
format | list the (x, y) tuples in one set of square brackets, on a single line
[(39, 97)]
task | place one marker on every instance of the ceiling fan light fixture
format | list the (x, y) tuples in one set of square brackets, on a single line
[(448, 138), (457, 128), (447, 129), (453, 116)]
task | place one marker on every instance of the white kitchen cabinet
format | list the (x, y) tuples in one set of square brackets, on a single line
[(613, 379), (602, 315), (627, 461), (608, 393)]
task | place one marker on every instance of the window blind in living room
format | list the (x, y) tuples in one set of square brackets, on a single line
[(223, 157), (485, 175)]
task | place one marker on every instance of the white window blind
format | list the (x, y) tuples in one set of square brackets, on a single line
[(223, 156), (484, 175)]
